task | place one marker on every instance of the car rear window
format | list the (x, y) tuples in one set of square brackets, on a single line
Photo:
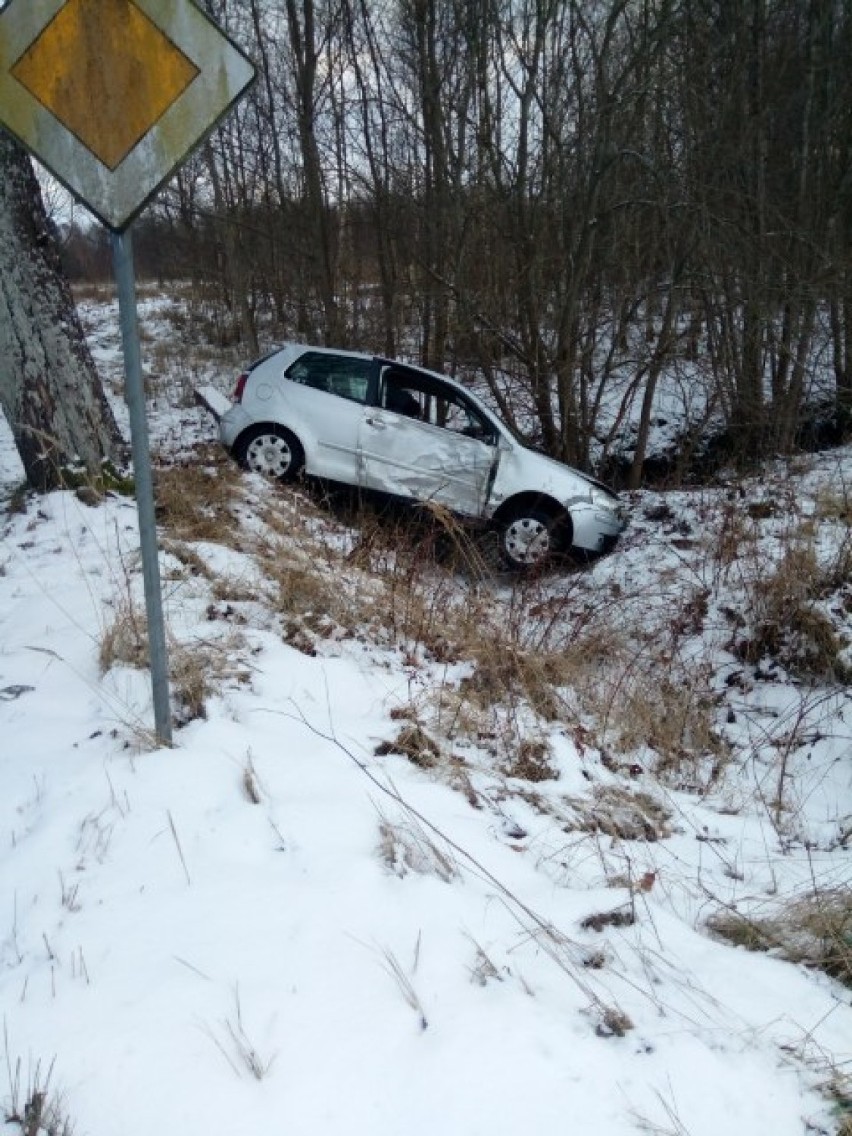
[(335, 374)]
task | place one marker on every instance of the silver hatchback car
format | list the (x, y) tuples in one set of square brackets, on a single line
[(405, 431)]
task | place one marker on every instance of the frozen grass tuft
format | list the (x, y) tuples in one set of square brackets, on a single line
[(814, 930), (238, 1049), (33, 1106), (406, 846)]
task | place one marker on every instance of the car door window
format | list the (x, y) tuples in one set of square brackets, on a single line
[(454, 412), (342, 375), (401, 393), (429, 400)]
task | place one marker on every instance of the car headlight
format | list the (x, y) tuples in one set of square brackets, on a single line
[(601, 499), (604, 500)]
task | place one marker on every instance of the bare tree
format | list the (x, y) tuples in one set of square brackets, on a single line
[(576, 202), (306, 43)]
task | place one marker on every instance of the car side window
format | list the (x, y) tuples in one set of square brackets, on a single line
[(455, 413), (342, 375), (428, 400), (402, 394)]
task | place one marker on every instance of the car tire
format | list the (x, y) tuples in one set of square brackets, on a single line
[(529, 537), (272, 451)]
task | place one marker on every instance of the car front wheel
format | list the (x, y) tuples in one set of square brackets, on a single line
[(528, 539), (270, 450)]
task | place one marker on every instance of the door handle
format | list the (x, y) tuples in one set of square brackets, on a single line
[(377, 423)]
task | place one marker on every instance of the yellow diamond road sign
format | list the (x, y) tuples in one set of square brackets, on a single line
[(111, 95), (111, 109)]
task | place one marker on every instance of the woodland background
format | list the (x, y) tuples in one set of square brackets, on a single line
[(550, 194)]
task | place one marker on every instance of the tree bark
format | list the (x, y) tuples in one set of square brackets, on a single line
[(50, 392), (301, 21)]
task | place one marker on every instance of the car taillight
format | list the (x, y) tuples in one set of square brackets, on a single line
[(237, 396)]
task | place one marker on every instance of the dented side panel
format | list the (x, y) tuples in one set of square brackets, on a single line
[(416, 459), (521, 471)]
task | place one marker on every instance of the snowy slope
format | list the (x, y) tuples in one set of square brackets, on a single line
[(270, 927)]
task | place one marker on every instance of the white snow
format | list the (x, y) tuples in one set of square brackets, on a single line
[(193, 961)]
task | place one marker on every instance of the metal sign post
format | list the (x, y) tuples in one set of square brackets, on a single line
[(135, 394), (111, 96)]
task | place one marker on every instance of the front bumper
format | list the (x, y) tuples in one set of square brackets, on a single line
[(595, 529)]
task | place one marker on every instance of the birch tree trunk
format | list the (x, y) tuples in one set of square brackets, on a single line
[(49, 389)]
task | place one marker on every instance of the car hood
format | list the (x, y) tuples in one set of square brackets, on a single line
[(529, 468)]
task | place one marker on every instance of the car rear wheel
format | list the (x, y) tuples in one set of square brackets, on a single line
[(528, 538), (270, 450)]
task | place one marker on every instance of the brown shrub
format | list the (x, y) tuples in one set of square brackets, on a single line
[(814, 930)]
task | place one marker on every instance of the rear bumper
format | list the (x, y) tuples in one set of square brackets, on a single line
[(231, 425)]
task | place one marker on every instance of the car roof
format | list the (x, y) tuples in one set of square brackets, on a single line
[(303, 347), (384, 359)]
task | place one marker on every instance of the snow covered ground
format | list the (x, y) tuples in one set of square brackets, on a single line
[(272, 927)]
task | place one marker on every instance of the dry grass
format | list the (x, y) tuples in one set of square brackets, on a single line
[(622, 814), (34, 1108), (839, 1090), (572, 657), (194, 501), (251, 783), (632, 691), (414, 743), (833, 503), (814, 930), (531, 762), (792, 577), (189, 558), (420, 588), (783, 619), (124, 639), (308, 590), (199, 670), (196, 670), (670, 709), (505, 670), (428, 575), (383, 583), (98, 291), (539, 660), (613, 1022), (237, 1047), (405, 846)]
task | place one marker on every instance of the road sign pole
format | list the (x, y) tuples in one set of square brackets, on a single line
[(112, 98), (122, 248)]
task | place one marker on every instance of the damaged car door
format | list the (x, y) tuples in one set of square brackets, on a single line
[(424, 439)]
